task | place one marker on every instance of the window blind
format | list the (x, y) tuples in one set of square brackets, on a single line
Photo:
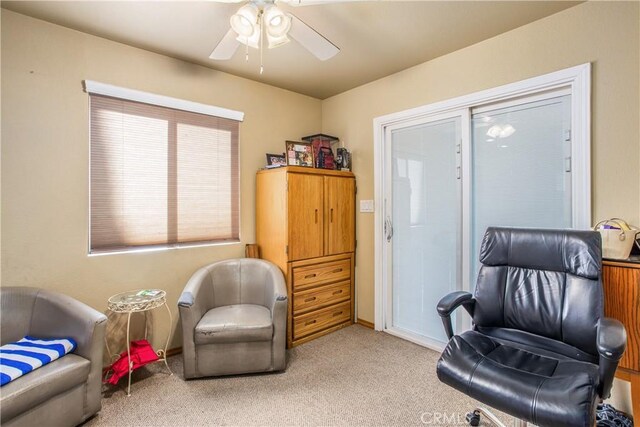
[(161, 176)]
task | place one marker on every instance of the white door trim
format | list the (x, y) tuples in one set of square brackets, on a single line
[(577, 78)]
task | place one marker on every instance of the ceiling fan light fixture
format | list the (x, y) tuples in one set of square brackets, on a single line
[(245, 20), (253, 41), (277, 23), (277, 41), (261, 22)]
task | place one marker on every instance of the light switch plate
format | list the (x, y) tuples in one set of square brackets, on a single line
[(366, 205)]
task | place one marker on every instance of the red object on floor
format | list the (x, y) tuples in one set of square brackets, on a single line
[(141, 354)]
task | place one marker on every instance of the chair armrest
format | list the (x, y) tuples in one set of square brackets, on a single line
[(276, 301), (449, 303), (611, 342), (56, 315), (196, 297), (278, 289), (453, 300), (612, 338), (279, 306)]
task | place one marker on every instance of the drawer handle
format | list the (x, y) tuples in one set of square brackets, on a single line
[(337, 270), (337, 314), (310, 322), (337, 292), (310, 276), (310, 299)]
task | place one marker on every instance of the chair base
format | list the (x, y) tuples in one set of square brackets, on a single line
[(473, 418)]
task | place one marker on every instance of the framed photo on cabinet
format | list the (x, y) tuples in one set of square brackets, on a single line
[(276, 160), (299, 154)]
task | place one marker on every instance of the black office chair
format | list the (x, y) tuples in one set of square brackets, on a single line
[(540, 348)]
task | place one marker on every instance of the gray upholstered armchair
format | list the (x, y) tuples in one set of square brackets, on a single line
[(67, 391), (233, 316)]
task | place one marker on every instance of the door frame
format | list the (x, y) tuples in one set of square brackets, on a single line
[(577, 79)]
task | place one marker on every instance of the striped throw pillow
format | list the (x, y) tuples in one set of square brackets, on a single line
[(21, 357)]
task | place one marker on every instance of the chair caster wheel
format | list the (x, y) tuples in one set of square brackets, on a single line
[(473, 418)]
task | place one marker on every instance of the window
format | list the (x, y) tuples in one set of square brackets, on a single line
[(161, 176)]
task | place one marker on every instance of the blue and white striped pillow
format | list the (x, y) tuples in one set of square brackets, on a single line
[(19, 358)]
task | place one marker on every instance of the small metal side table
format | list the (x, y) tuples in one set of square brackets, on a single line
[(141, 300)]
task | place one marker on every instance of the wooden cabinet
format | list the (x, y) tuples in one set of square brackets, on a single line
[(339, 211), (621, 281), (305, 216), (305, 224)]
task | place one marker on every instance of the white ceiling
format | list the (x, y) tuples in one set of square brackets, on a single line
[(376, 38)]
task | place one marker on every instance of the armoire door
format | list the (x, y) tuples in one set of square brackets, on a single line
[(339, 211), (305, 200)]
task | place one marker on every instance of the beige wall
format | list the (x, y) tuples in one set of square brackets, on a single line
[(45, 134), (603, 33), (45, 151)]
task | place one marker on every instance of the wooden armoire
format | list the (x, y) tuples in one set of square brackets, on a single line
[(305, 224)]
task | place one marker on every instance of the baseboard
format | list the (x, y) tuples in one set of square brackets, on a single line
[(365, 323), (174, 351)]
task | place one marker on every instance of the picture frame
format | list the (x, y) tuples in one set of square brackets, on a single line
[(276, 160), (299, 154), (343, 159)]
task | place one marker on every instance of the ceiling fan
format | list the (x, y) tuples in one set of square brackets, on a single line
[(258, 20)]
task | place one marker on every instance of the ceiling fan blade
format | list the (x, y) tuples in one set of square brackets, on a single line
[(311, 40), (227, 47)]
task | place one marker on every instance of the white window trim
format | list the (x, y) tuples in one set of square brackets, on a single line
[(159, 248), (160, 100), (577, 78)]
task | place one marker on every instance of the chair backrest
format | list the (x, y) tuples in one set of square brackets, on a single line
[(16, 305), (241, 281), (545, 282)]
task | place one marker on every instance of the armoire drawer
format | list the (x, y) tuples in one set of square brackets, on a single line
[(321, 296), (309, 323), (326, 272)]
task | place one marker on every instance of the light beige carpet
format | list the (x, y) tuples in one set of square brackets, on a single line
[(353, 377)]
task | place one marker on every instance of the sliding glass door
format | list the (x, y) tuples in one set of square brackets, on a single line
[(450, 176), (521, 164), (423, 228)]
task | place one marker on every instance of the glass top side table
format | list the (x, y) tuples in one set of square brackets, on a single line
[(140, 300)]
